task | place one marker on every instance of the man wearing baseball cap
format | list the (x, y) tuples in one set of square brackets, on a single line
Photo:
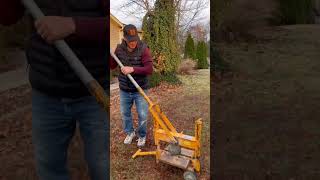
[(137, 61)]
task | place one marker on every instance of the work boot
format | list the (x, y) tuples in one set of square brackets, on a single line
[(129, 138), (141, 141)]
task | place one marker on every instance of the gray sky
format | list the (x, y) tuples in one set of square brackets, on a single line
[(114, 5)]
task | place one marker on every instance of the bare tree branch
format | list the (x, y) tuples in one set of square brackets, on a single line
[(188, 12)]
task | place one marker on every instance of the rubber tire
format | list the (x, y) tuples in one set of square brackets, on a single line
[(189, 175)]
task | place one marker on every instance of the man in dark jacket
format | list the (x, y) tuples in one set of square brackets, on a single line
[(59, 99), (137, 61)]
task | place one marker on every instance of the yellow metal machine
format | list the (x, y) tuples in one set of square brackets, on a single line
[(174, 148)]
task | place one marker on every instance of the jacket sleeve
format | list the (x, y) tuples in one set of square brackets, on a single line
[(92, 29), (147, 64)]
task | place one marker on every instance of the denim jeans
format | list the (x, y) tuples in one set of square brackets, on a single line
[(53, 126), (127, 99)]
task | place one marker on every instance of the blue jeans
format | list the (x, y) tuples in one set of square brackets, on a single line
[(127, 99), (53, 126)]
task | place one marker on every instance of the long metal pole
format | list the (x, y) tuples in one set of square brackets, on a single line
[(93, 86), (131, 79)]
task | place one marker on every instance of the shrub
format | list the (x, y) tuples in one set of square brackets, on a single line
[(202, 62), (189, 49), (187, 66), (154, 79), (237, 18)]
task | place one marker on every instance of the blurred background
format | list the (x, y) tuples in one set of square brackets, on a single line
[(265, 95)]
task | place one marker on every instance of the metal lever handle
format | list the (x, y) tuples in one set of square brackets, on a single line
[(93, 86)]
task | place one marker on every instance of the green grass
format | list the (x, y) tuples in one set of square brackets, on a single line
[(156, 78), (196, 84)]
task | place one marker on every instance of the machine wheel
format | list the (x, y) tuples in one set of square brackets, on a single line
[(189, 175)]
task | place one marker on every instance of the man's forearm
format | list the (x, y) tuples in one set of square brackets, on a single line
[(92, 29), (145, 70)]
